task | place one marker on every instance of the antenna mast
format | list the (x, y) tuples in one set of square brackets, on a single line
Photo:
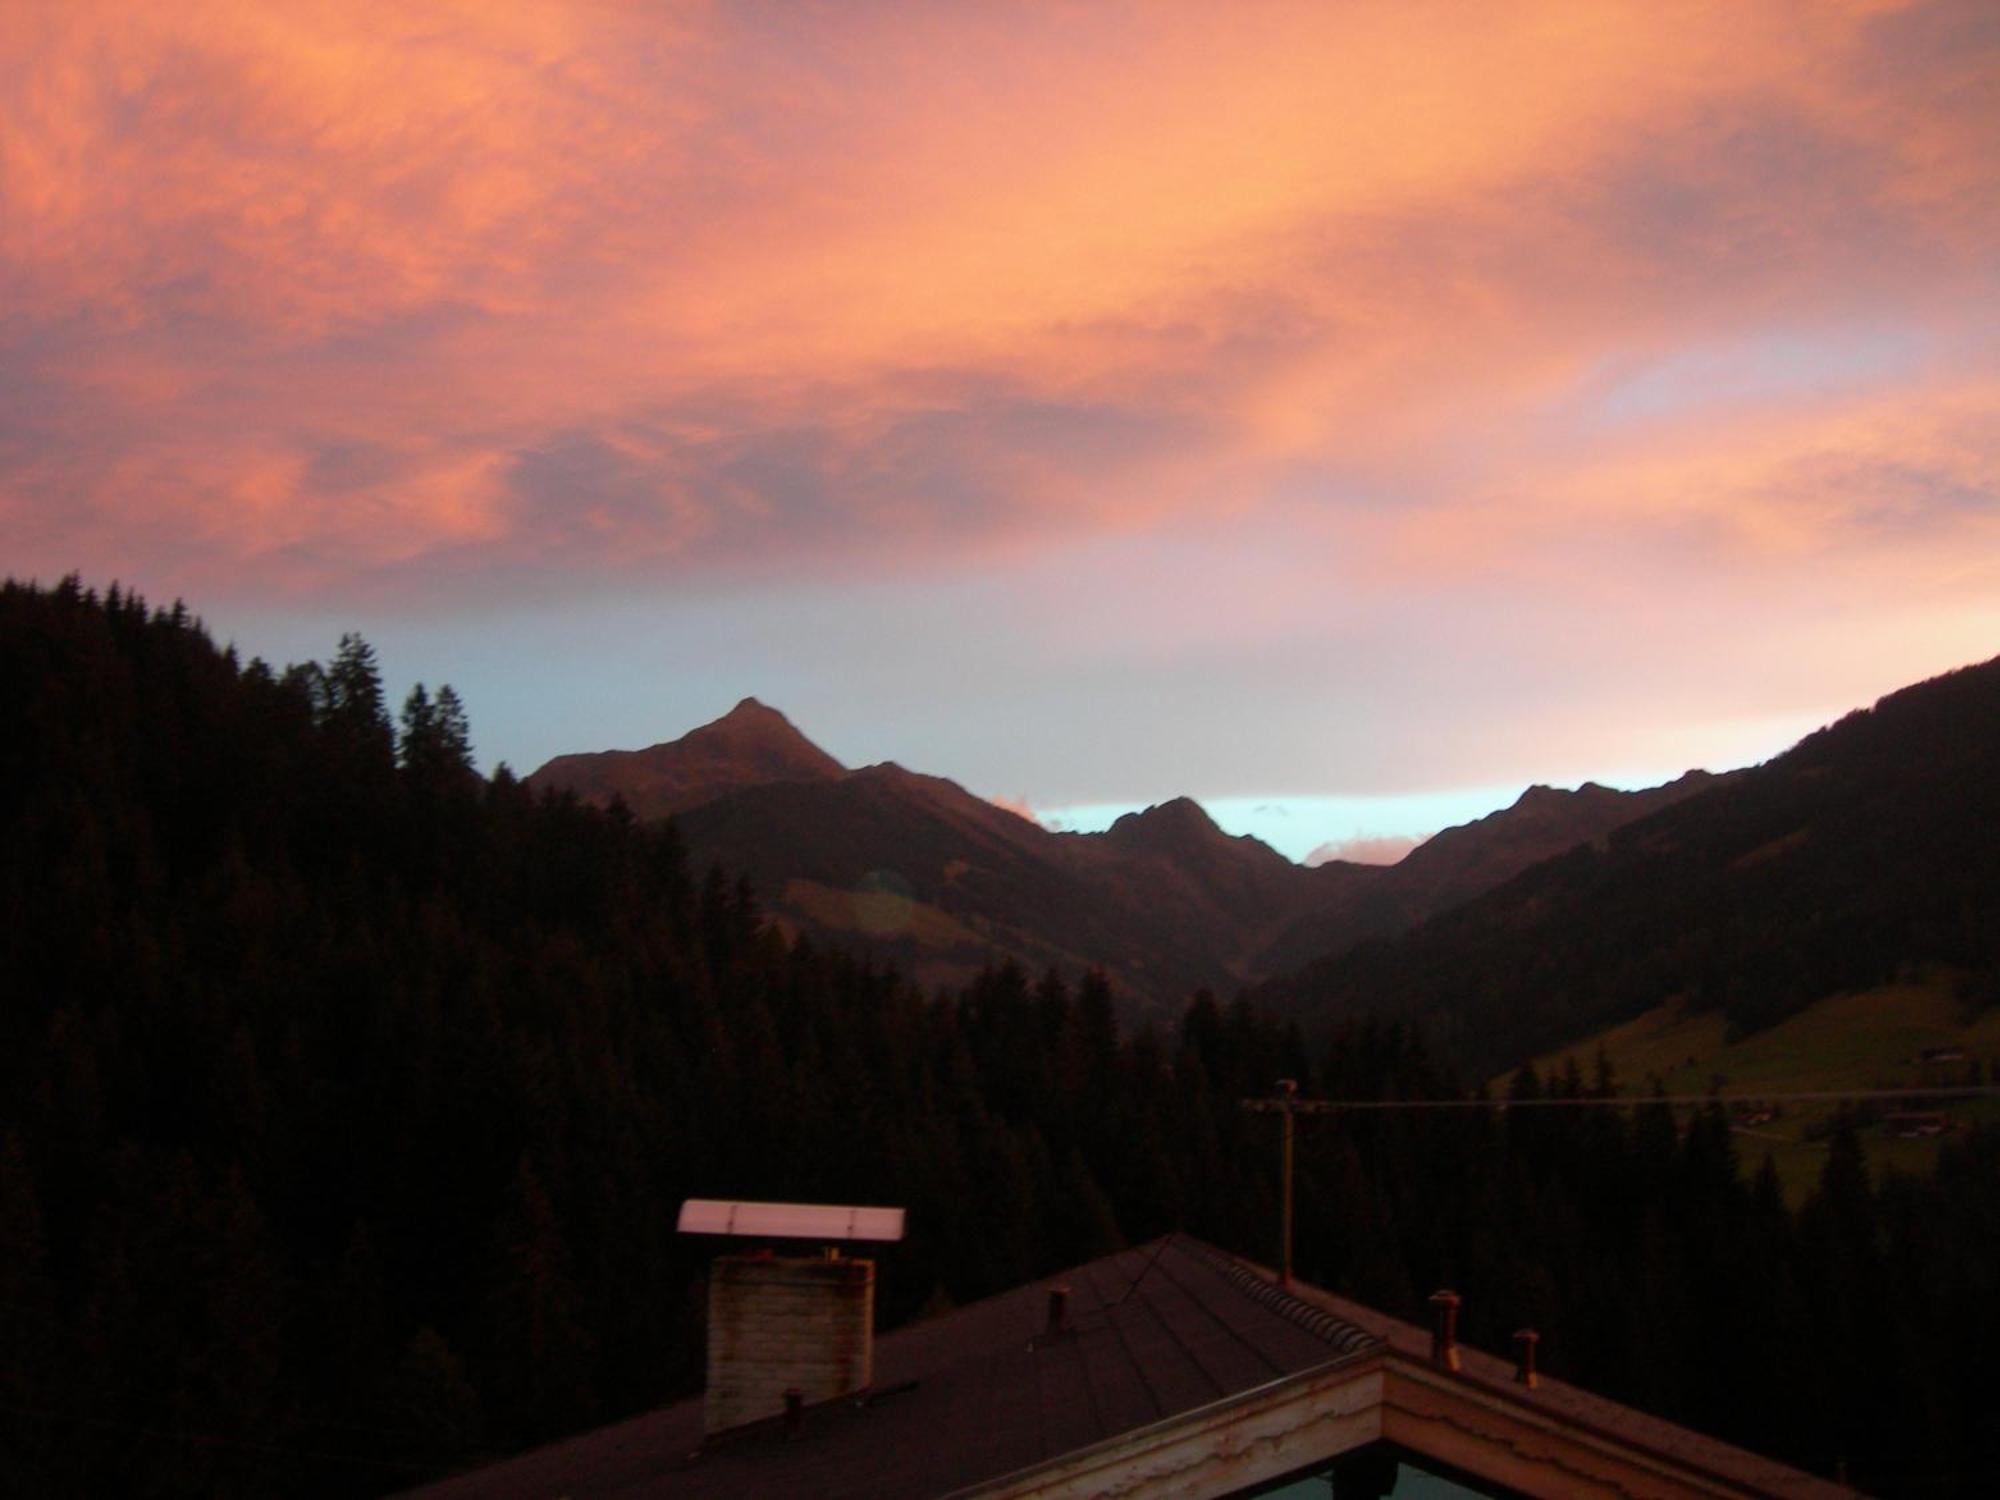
[(1287, 1104)]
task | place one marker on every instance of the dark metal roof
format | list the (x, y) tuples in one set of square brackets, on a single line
[(1152, 1332), (980, 1393)]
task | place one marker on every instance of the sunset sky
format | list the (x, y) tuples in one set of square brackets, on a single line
[(1345, 414)]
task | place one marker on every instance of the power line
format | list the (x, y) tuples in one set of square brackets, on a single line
[(1621, 1101)]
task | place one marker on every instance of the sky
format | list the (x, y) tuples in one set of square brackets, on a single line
[(1345, 414)]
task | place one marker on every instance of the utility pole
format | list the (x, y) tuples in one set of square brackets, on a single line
[(1288, 1105)]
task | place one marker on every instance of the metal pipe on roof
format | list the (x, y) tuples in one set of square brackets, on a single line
[(1288, 1089), (1525, 1340), (1444, 1329), (1058, 1312)]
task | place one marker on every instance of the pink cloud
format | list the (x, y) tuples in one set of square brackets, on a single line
[(311, 298), (1018, 806)]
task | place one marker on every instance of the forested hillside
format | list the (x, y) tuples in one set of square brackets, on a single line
[(1866, 850), (347, 1099)]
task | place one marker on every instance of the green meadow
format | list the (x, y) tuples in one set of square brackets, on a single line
[(1873, 1039)]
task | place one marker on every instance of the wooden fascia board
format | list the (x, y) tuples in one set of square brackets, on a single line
[(1461, 1422), (1220, 1449), (1493, 1434)]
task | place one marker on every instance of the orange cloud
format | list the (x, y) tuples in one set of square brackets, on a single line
[(319, 293)]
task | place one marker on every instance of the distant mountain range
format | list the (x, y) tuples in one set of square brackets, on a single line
[(943, 881), (1867, 852)]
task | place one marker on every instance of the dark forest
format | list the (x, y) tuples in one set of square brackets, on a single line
[(347, 1098)]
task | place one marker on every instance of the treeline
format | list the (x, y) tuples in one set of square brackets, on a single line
[(347, 1099), (1861, 854)]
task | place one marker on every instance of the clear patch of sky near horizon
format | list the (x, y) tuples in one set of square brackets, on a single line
[(626, 674)]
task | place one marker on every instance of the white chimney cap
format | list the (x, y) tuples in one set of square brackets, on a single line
[(790, 1221)]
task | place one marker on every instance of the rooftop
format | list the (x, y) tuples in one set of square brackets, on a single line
[(1173, 1352)]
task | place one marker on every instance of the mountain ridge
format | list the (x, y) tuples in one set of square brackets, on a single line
[(1863, 851), (1164, 900)]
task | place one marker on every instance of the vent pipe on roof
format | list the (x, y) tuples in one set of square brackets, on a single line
[(1525, 1340), (1058, 1313), (1444, 1329)]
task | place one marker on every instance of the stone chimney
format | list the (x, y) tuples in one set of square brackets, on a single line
[(778, 1325)]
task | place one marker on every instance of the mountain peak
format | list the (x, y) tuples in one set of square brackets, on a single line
[(1541, 795), (1181, 829), (754, 716), (1177, 815), (751, 744), (754, 732)]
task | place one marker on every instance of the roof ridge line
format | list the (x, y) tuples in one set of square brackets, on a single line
[(1346, 1337)]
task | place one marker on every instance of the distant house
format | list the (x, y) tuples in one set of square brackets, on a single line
[(1172, 1369), (1946, 1067)]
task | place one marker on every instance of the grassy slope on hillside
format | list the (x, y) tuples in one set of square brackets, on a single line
[(1873, 1039)]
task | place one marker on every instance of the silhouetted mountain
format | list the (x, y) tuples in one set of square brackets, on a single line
[(748, 746), (1461, 862), (944, 881), (1367, 901), (1867, 848), (1174, 852)]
